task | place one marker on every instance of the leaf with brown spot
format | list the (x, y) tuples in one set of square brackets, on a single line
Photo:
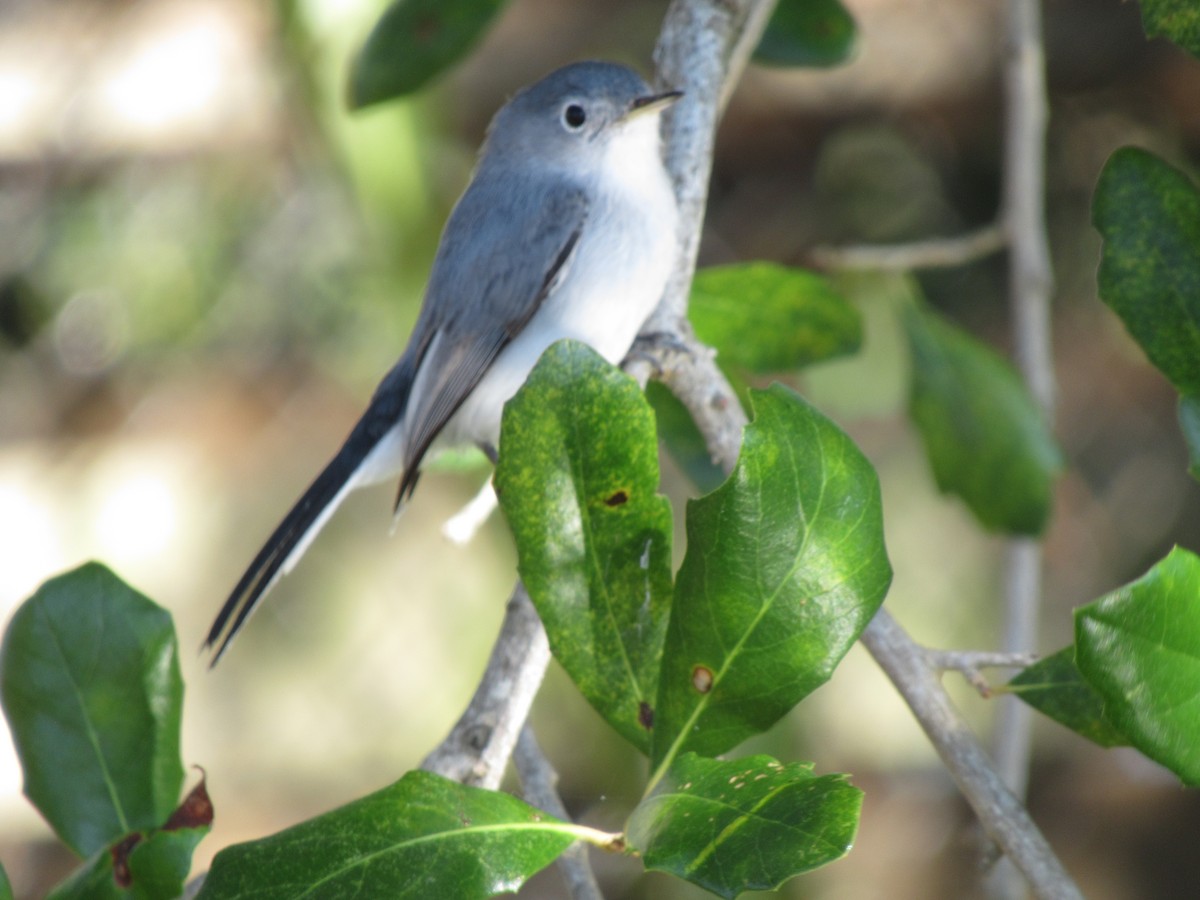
[(578, 483)]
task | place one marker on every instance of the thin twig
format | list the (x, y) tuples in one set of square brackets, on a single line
[(539, 784), (964, 660), (936, 253), (969, 663), (477, 749), (702, 50), (1002, 815)]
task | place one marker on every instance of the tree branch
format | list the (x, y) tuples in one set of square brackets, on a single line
[(1002, 815), (695, 53), (969, 662), (477, 749), (539, 784), (1031, 284), (937, 253)]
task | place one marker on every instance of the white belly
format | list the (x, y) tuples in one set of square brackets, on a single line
[(613, 284)]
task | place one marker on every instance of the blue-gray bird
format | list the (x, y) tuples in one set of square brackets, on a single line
[(566, 230)]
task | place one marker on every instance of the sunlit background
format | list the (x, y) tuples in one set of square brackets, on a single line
[(206, 264)]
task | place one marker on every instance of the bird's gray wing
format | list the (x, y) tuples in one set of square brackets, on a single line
[(504, 250)]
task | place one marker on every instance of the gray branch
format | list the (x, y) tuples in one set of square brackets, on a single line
[(1003, 816), (936, 253), (539, 783), (477, 749), (1031, 284), (701, 44)]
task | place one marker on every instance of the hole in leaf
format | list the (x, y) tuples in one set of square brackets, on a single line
[(702, 679), (617, 499)]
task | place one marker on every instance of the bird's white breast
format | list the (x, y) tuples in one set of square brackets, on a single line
[(613, 281)]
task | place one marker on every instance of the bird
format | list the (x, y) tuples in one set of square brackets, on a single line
[(567, 229)]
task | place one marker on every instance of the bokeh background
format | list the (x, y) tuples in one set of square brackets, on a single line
[(206, 263)]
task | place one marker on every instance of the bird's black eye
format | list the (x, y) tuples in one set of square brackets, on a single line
[(574, 115)]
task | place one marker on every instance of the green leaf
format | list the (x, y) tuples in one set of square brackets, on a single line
[(578, 482), (91, 881), (90, 684), (1139, 647), (1178, 20), (413, 41), (677, 430), (6, 891), (807, 33), (985, 438), (785, 566), (769, 318), (1055, 687), (422, 837), (144, 865), (1148, 214), (159, 864), (744, 824), (1189, 423)]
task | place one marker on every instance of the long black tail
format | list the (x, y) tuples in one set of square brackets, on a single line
[(292, 533), (300, 525)]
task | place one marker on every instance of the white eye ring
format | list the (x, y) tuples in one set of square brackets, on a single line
[(573, 116)]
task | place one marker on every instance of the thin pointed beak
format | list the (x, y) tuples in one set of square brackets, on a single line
[(652, 103)]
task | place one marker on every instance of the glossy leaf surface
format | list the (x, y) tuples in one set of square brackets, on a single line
[(744, 824), (424, 836), (1140, 648), (91, 688), (785, 566), (578, 482), (1055, 687)]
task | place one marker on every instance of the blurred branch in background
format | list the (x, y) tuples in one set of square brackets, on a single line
[(1031, 284)]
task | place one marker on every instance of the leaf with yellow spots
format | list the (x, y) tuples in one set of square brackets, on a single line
[(745, 824)]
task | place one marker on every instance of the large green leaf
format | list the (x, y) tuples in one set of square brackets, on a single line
[(984, 436), (1139, 647), (89, 679), (412, 42), (744, 824), (1148, 214), (1055, 687), (6, 891), (578, 482), (768, 318), (807, 33), (422, 837), (1178, 20), (785, 566)]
